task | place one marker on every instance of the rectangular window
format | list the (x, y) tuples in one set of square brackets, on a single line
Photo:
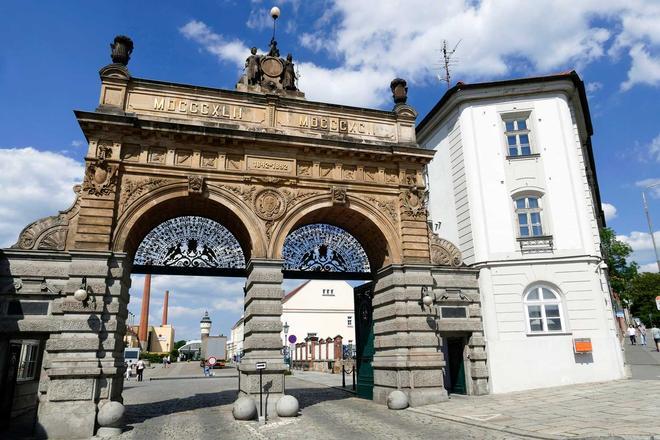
[(528, 212), (27, 362), (517, 136), (349, 321)]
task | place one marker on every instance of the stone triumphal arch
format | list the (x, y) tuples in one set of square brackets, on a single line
[(263, 162)]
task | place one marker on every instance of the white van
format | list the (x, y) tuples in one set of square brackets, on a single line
[(131, 355)]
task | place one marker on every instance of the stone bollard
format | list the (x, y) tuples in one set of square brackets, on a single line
[(110, 418), (397, 400), (244, 409), (287, 406)]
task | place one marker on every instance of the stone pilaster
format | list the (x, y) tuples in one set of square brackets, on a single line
[(263, 325), (83, 361), (408, 348)]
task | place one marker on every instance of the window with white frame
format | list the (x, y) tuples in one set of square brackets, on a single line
[(349, 321), (528, 212), (516, 132), (544, 311), (27, 361), (328, 292)]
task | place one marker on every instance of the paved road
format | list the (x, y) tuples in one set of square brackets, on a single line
[(201, 409), (644, 361)]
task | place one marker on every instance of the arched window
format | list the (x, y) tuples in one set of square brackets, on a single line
[(544, 311), (528, 211)]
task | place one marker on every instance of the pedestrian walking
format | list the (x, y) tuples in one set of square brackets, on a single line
[(655, 332), (164, 361), (140, 369), (632, 334), (642, 334), (128, 371)]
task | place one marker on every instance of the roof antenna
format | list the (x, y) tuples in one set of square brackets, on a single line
[(448, 61)]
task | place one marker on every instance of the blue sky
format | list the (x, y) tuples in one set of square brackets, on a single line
[(346, 52)]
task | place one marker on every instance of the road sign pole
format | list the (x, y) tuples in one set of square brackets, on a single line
[(261, 389)]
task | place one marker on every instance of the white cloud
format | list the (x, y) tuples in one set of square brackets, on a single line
[(594, 86), (76, 143), (640, 241), (260, 19), (655, 191), (372, 44), (609, 210), (231, 50), (654, 149), (645, 68), (649, 267), (34, 184)]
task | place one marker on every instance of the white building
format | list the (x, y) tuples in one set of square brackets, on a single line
[(513, 184), (235, 344), (320, 308)]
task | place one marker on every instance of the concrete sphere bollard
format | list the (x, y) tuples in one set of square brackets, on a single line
[(287, 406), (244, 408), (397, 400), (110, 419)]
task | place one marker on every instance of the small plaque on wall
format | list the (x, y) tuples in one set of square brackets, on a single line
[(453, 312), (582, 345)]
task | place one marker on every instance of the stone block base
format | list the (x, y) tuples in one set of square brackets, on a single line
[(66, 420), (416, 396)]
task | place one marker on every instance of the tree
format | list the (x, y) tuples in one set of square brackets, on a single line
[(643, 290), (174, 354), (621, 272)]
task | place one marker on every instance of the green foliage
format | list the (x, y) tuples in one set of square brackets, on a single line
[(179, 344), (621, 272), (152, 357), (643, 290)]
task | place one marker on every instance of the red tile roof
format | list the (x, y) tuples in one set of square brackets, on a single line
[(294, 291)]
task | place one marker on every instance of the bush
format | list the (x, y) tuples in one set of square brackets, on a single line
[(152, 357)]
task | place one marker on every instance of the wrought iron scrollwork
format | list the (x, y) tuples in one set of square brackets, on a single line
[(190, 241), (324, 248)]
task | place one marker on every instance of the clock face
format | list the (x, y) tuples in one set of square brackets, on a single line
[(272, 67)]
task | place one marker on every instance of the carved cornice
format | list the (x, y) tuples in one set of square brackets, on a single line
[(49, 233)]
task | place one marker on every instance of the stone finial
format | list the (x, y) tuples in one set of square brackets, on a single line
[(121, 50), (399, 90)]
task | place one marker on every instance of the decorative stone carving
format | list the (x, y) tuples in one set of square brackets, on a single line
[(49, 233), (304, 169), (386, 207), (100, 178), (195, 184), (295, 197), (444, 252), (209, 160), (269, 204), (339, 196), (104, 152), (413, 203), (243, 191), (122, 48), (399, 90), (132, 190)]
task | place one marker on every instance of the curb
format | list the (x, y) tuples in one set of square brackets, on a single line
[(192, 377), (507, 430)]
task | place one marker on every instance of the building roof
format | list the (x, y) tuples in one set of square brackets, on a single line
[(570, 75), (294, 291)]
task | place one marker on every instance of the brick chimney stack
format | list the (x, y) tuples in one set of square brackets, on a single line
[(167, 297), (143, 330)]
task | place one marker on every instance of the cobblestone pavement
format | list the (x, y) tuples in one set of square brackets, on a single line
[(624, 408), (194, 409)]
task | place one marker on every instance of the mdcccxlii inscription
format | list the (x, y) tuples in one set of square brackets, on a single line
[(191, 107)]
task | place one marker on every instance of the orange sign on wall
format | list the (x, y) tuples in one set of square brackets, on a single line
[(582, 345)]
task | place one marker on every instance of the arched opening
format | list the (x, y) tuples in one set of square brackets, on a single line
[(327, 320)]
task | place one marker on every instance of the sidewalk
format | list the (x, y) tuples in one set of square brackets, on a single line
[(330, 380), (644, 361), (625, 408)]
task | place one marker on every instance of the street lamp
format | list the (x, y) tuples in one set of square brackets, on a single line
[(648, 220)]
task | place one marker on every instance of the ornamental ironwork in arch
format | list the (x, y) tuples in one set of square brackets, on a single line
[(190, 242), (322, 247)]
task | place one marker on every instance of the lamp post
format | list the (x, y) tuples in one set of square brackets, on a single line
[(285, 327), (648, 220)]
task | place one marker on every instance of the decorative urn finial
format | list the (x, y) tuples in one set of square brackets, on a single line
[(121, 49), (399, 90)]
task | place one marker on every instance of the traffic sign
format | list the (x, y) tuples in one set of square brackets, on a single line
[(292, 339), (260, 365), (212, 361)]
